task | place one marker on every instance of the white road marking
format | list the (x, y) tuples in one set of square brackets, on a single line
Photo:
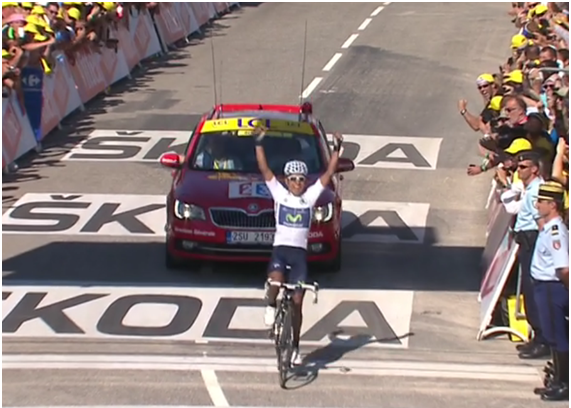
[(386, 3), (377, 11), (311, 87), (332, 61), (350, 40), (393, 368), (365, 24), (213, 387)]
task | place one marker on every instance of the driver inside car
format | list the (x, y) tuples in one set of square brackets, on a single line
[(216, 154)]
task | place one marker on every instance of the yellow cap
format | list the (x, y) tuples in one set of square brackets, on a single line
[(485, 78), (74, 13), (60, 14), (9, 4), (540, 9), (27, 5), (109, 5), (514, 76), (31, 28), (38, 10), (40, 38), (519, 41), (5, 53), (518, 145), (496, 103)]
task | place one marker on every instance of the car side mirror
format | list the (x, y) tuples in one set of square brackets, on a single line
[(344, 165), (171, 160)]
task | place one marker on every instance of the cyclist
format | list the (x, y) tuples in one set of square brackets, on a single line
[(293, 208)]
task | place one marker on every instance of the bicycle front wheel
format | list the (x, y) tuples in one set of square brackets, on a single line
[(285, 346)]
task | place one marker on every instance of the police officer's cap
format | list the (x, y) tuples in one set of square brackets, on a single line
[(530, 155), (551, 191)]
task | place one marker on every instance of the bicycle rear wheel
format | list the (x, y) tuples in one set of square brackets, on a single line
[(285, 346)]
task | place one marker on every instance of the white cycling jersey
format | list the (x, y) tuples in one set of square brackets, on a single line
[(293, 214)]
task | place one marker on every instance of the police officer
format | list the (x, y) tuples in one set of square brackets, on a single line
[(526, 230), (550, 275)]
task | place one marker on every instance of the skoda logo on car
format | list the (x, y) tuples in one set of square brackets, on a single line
[(253, 208)]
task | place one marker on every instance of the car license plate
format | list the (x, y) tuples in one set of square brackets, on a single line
[(249, 237)]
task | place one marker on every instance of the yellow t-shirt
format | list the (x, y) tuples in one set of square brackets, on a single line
[(566, 201)]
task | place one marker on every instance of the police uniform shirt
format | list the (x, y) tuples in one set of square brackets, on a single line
[(551, 251), (527, 216)]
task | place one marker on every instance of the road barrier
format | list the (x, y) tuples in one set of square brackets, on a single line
[(48, 99)]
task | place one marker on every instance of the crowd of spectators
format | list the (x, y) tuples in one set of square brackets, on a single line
[(31, 32), (526, 99)]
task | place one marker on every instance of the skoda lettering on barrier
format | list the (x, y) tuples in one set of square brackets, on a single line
[(144, 216), (417, 153), (203, 314)]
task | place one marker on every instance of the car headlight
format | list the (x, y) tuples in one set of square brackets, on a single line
[(188, 211), (323, 213)]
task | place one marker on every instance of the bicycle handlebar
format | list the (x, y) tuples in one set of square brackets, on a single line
[(312, 287)]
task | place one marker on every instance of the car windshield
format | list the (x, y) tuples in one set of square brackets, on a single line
[(229, 152)]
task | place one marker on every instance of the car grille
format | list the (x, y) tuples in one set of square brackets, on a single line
[(229, 218)]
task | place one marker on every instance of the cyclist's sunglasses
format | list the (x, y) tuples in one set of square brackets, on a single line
[(296, 179)]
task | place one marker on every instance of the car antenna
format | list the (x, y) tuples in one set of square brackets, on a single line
[(220, 88), (213, 69), (303, 68)]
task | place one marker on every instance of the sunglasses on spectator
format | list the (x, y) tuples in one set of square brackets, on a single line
[(483, 86), (509, 110), (523, 166), (296, 179)]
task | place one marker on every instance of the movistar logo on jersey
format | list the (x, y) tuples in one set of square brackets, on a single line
[(294, 217)]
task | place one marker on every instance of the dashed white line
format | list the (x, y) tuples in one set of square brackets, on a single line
[(311, 87), (377, 11), (364, 24), (350, 40), (213, 387), (386, 3), (332, 62)]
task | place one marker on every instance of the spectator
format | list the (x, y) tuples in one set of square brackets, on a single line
[(487, 87)]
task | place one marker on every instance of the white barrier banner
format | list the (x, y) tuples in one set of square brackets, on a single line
[(17, 135)]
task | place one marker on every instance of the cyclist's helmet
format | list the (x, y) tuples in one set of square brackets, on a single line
[(295, 167)]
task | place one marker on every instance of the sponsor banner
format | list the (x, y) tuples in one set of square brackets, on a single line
[(17, 135), (140, 41), (203, 12), (376, 318), (498, 260), (93, 71), (60, 96), (371, 151), (175, 21), (32, 84), (145, 216), (220, 8)]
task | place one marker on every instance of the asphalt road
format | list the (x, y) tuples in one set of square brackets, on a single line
[(396, 84)]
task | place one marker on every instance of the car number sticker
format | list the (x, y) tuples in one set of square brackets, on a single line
[(256, 189)]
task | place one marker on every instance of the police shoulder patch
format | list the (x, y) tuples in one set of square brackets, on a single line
[(556, 244), (555, 230)]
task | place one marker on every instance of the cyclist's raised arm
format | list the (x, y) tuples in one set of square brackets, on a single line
[(259, 133), (332, 167)]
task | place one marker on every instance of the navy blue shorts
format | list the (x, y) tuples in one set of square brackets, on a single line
[(295, 258)]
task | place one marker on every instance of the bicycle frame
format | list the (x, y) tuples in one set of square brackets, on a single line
[(282, 330)]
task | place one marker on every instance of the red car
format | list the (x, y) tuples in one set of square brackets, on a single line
[(219, 208)]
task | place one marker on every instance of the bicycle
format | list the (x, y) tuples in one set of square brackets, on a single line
[(282, 330)]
